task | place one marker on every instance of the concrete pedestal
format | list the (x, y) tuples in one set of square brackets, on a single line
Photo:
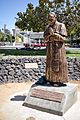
[(61, 99)]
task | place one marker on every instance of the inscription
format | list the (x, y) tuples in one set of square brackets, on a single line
[(47, 95), (31, 65)]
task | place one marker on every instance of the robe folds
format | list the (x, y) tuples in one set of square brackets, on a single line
[(56, 63)]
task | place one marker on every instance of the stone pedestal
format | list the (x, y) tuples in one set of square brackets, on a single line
[(55, 100)]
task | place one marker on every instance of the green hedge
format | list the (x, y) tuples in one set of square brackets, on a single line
[(5, 52), (22, 52)]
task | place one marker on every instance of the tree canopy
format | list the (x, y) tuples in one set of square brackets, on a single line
[(35, 18)]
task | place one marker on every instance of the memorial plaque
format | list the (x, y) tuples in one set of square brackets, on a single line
[(47, 95), (31, 65)]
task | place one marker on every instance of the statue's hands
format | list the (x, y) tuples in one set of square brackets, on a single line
[(58, 37), (51, 31), (53, 36)]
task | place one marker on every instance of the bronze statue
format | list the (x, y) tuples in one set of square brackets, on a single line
[(56, 63)]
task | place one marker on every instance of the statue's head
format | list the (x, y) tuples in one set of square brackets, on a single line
[(52, 18)]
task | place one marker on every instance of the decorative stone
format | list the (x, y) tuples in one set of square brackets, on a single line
[(30, 118), (17, 66)]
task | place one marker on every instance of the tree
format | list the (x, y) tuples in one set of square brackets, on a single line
[(33, 18), (73, 20), (1, 37), (36, 17), (25, 19), (6, 37)]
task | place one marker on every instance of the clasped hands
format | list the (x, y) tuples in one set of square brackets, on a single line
[(54, 37)]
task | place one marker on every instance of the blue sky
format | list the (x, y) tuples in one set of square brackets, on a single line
[(9, 9)]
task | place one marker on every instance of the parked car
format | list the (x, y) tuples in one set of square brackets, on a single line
[(35, 45)]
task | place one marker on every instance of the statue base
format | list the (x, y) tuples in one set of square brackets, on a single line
[(55, 100)]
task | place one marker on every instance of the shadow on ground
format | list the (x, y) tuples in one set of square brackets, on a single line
[(18, 98)]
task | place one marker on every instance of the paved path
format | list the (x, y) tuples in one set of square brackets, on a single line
[(13, 109)]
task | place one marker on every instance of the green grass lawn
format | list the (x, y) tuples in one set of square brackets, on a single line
[(73, 55), (6, 52)]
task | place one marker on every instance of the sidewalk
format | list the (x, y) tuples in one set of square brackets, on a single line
[(11, 100)]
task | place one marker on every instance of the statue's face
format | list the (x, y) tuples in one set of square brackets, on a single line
[(51, 19)]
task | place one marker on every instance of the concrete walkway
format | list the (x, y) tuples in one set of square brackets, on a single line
[(14, 110)]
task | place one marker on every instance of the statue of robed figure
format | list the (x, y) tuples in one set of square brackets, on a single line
[(56, 63)]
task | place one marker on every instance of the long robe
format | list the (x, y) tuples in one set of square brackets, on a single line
[(56, 63)]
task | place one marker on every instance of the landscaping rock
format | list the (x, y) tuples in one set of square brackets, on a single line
[(13, 69)]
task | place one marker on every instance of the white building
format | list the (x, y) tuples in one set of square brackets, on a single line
[(27, 36)]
